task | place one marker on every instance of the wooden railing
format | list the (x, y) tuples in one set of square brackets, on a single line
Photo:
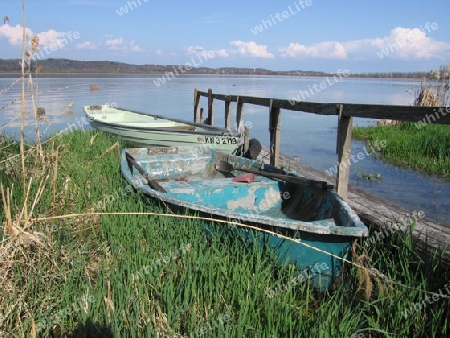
[(344, 111)]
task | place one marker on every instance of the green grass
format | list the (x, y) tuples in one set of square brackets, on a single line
[(149, 275), (426, 149)]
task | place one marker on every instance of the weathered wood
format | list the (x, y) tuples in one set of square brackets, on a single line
[(426, 115), (202, 115), (210, 108), (246, 139), (440, 115), (227, 114), (197, 106), (343, 149), (239, 115), (274, 129), (308, 107)]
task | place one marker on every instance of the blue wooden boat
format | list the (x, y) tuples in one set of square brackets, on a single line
[(307, 211)]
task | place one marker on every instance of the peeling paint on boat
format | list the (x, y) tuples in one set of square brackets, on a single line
[(246, 202)]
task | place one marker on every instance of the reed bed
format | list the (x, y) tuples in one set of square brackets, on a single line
[(152, 275), (426, 149)]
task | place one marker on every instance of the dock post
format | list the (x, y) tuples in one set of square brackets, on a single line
[(274, 129), (210, 108), (343, 150), (202, 115), (197, 106), (246, 139), (227, 114), (239, 115)]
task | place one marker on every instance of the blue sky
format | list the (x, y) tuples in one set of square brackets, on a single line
[(324, 35)]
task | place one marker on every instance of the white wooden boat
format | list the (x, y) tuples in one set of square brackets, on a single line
[(146, 130)]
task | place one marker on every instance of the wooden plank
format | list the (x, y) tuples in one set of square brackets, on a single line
[(227, 114), (426, 115), (239, 115), (210, 108), (196, 106), (344, 148), (274, 129), (308, 107)]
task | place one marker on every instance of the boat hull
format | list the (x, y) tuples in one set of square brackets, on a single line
[(316, 225), (145, 130)]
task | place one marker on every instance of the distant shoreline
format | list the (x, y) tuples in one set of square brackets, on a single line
[(156, 75), (57, 68)]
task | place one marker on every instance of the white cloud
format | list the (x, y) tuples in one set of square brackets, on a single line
[(87, 45), (14, 34), (116, 44), (52, 37), (222, 53), (134, 47), (252, 49), (46, 39), (119, 44), (194, 50), (326, 50), (401, 43)]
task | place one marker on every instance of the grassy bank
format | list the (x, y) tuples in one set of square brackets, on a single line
[(420, 147), (135, 275)]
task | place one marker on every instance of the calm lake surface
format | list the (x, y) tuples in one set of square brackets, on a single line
[(310, 137)]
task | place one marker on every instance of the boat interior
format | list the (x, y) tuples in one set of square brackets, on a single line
[(190, 174)]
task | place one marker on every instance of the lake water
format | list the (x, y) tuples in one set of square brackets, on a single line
[(310, 137)]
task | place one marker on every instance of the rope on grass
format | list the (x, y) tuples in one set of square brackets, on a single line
[(371, 270)]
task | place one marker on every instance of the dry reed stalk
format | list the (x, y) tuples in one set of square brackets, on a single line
[(33, 332), (37, 117), (6, 199), (365, 282), (22, 124), (39, 194), (160, 322), (108, 301), (115, 145), (55, 178), (35, 48), (366, 275), (434, 95), (13, 227), (427, 96)]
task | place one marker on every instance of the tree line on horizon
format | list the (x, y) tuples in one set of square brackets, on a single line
[(67, 66)]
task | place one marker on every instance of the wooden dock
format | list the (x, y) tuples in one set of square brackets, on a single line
[(378, 213)]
